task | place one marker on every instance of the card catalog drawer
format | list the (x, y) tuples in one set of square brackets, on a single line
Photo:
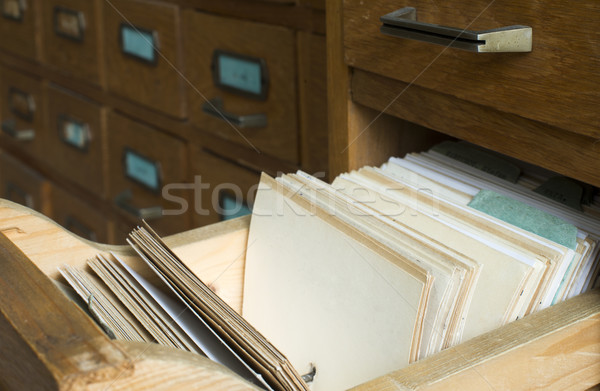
[(76, 144), (143, 160), (72, 39), (563, 61), (244, 81), (22, 111), (20, 184), (227, 191), (77, 216), (19, 27), (143, 51)]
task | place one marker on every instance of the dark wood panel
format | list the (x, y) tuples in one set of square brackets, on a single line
[(73, 41), (567, 153), (20, 28), (557, 83), (276, 46)]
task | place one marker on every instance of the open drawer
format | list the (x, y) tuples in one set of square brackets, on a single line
[(44, 333)]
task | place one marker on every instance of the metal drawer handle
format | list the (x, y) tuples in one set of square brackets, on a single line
[(214, 107), (124, 201), (9, 127), (403, 23)]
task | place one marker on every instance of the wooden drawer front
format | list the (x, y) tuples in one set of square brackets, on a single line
[(72, 38), (143, 51), (142, 160), (557, 83), (267, 89), (77, 139), (231, 188), (22, 111), (19, 27), (20, 184), (79, 217)]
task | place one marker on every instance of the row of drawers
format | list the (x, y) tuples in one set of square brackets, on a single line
[(179, 62), (139, 170)]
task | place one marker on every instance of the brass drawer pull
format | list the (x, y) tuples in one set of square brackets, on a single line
[(403, 23), (214, 107), (9, 127), (124, 201)]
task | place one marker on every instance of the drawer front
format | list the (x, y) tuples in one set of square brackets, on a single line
[(76, 144), (19, 27), (22, 111), (143, 160), (143, 52), (72, 38), (556, 83), (79, 217), (244, 81), (20, 184), (228, 189)]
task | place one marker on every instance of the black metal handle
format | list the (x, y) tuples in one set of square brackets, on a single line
[(403, 23), (9, 127), (214, 107), (124, 201)]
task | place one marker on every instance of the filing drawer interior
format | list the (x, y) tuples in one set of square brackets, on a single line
[(562, 61), (76, 144), (244, 69)]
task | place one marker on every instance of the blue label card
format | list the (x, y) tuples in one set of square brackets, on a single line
[(75, 133), (138, 43), (142, 170), (231, 208), (240, 74)]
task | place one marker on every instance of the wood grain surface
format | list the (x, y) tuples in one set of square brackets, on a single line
[(567, 153), (277, 47), (159, 86), (83, 60), (557, 83), (87, 167)]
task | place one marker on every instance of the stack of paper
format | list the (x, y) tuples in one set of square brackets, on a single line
[(388, 265)]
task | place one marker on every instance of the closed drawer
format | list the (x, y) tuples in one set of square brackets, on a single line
[(20, 27), (143, 54), (79, 217), (76, 144), (244, 82), (227, 190), (20, 184), (22, 111), (72, 38), (143, 160), (556, 83)]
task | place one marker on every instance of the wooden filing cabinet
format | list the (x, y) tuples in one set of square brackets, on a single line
[(143, 50), (22, 112), (72, 38), (21, 184), (229, 189), (77, 141), (243, 82), (77, 216), (142, 160), (389, 96), (20, 27)]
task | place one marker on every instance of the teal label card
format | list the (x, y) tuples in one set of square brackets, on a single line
[(240, 74), (74, 133), (231, 208), (139, 43), (142, 170)]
